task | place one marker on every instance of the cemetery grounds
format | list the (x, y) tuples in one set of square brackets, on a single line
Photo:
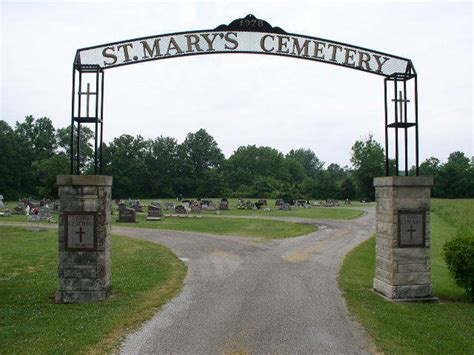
[(29, 320)]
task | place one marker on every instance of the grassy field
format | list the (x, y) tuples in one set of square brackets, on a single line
[(31, 323), (314, 212), (415, 328), (225, 226), (207, 224)]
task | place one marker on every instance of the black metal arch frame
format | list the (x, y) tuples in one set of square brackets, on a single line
[(398, 81)]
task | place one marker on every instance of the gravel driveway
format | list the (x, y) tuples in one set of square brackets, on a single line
[(250, 295)]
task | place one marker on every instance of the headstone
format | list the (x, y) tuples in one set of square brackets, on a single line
[(196, 207), (34, 218), (44, 213), (285, 206), (403, 263), (224, 205), (127, 215), (169, 206), (55, 206), (208, 205), (137, 206), (154, 212), (180, 210), (84, 238)]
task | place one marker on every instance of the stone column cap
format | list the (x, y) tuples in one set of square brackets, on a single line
[(421, 181), (84, 180)]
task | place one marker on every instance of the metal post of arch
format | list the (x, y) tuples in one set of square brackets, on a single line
[(90, 88), (248, 35)]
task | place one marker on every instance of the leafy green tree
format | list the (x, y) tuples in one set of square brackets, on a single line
[(86, 146), (296, 171), (40, 135), (307, 158), (249, 162), (162, 166), (199, 157), (347, 190), (202, 151), (46, 171), (126, 157), (456, 177), (368, 161)]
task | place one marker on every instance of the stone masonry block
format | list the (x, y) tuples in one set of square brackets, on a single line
[(411, 278)]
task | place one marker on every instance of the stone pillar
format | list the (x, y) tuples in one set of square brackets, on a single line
[(84, 238), (403, 259)]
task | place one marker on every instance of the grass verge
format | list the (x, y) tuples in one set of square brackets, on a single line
[(31, 323), (268, 229), (411, 328), (313, 212)]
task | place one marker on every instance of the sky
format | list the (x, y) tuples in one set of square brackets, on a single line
[(243, 99)]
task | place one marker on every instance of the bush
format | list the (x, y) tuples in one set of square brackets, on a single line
[(459, 256)]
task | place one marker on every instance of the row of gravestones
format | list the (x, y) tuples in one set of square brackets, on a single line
[(127, 214), (34, 210), (155, 211)]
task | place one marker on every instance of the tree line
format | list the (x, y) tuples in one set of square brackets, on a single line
[(33, 152)]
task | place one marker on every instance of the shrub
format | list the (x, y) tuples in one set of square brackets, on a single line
[(459, 256)]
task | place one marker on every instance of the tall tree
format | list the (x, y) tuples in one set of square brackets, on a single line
[(200, 158), (307, 158), (250, 162), (368, 162), (126, 157), (40, 134), (456, 179), (86, 148), (162, 167)]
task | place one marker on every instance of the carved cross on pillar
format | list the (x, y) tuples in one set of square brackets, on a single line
[(411, 230), (88, 93), (81, 233)]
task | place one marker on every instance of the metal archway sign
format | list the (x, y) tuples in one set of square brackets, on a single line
[(245, 35)]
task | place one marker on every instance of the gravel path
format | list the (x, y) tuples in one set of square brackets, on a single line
[(250, 295)]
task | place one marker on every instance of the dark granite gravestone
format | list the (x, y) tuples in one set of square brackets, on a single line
[(208, 205), (137, 206), (180, 209), (154, 212), (196, 207), (224, 205), (127, 215)]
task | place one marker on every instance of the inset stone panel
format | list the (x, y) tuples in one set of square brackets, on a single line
[(411, 229), (81, 231)]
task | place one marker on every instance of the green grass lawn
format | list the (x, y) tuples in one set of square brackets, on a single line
[(415, 328), (31, 323), (225, 226), (313, 212)]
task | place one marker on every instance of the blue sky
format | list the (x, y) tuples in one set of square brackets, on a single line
[(246, 99)]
